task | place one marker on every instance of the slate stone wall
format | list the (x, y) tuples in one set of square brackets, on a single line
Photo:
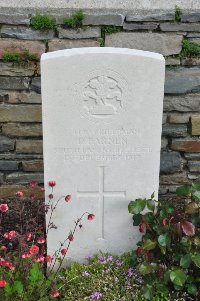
[(20, 99)]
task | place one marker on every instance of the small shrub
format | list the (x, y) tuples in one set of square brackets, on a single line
[(19, 57), (190, 49), (178, 13), (43, 22), (75, 21)]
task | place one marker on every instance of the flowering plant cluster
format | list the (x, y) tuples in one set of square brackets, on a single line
[(168, 255), (23, 252)]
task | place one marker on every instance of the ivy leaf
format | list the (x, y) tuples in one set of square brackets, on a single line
[(184, 190), (164, 239), (148, 292), (145, 268), (137, 218), (196, 195), (178, 277), (149, 244), (192, 289), (151, 205), (135, 207), (185, 261), (188, 228), (196, 260)]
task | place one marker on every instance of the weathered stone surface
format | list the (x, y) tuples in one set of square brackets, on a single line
[(170, 61), (162, 190), (182, 80), (192, 156), (193, 35), (103, 19), (3, 96), (23, 113), (188, 146), (195, 40), (164, 143), (14, 69), (8, 165), (156, 42), (149, 17), (194, 166), (24, 178), (21, 130), (170, 162), (23, 97), (1, 179), (180, 27), (174, 179), (136, 26), (8, 191), (195, 125), (36, 165), (20, 157), (184, 103), (29, 146), (57, 44), (14, 83), (192, 16), (13, 45), (15, 19), (80, 33), (170, 130), (178, 118), (164, 119), (6, 144), (26, 33), (191, 61), (36, 84)]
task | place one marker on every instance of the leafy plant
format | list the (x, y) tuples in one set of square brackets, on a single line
[(19, 57), (75, 20), (178, 13), (109, 29), (168, 255), (43, 22), (190, 49)]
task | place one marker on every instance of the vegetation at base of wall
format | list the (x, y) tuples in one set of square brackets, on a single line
[(190, 49), (75, 20), (109, 29), (43, 22), (19, 57), (178, 13)]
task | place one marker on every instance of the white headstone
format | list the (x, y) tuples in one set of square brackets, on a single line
[(102, 116)]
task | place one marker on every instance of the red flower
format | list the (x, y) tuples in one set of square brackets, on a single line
[(55, 294), (91, 217), (142, 228), (3, 248), (28, 236), (42, 189), (19, 194), (41, 259), (2, 283), (9, 265), (64, 252), (32, 196), (48, 258), (41, 240), (71, 237), (52, 183), (26, 255), (33, 183), (34, 250), (3, 207), (68, 198), (164, 222), (9, 235)]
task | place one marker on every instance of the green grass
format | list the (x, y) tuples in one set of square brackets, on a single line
[(178, 13), (75, 20), (19, 57), (43, 22), (190, 49), (109, 29)]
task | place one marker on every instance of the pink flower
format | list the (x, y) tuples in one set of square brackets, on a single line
[(42, 189), (34, 250), (3, 248), (64, 252), (41, 240), (48, 258), (6, 235), (33, 183), (71, 237), (52, 183), (26, 255), (40, 259), (68, 198), (9, 265), (91, 217), (28, 236), (55, 294), (9, 235), (3, 207), (32, 196), (19, 194), (142, 228), (3, 283), (164, 222)]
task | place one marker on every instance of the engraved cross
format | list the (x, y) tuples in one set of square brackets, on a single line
[(101, 194)]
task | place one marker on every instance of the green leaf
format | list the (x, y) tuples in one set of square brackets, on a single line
[(8, 289), (135, 207), (145, 268), (196, 260), (184, 241), (149, 244), (185, 261), (148, 292), (184, 190), (137, 218), (164, 240), (178, 277), (192, 208), (192, 289), (35, 274), (149, 217), (196, 195), (167, 276), (151, 205), (18, 287), (196, 185)]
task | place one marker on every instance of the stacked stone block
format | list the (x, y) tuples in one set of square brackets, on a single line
[(20, 88)]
